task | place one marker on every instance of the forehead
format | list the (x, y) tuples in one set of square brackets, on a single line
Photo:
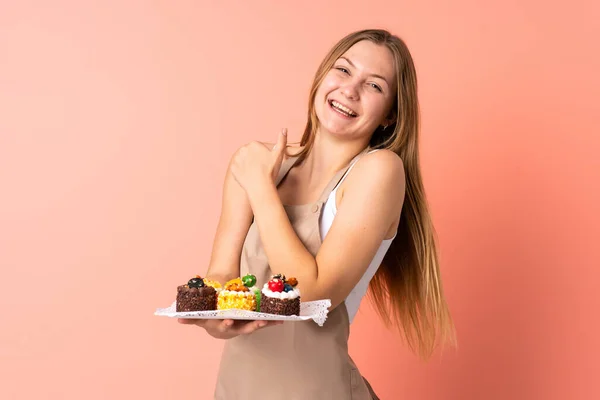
[(372, 58)]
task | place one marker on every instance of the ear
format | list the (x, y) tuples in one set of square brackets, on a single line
[(391, 118)]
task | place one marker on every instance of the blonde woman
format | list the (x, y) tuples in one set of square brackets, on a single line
[(343, 212)]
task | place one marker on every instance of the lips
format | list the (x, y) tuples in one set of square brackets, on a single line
[(342, 109)]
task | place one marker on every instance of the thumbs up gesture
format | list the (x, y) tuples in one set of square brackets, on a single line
[(256, 164)]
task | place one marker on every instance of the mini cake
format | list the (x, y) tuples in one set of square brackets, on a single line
[(239, 293), (280, 296), (197, 295)]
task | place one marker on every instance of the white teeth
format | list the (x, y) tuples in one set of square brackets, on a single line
[(343, 108)]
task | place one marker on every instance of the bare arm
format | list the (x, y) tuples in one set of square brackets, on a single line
[(234, 222), (372, 201)]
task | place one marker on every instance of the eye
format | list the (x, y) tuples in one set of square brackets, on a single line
[(342, 69), (376, 87)]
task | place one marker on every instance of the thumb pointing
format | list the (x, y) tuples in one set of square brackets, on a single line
[(282, 140)]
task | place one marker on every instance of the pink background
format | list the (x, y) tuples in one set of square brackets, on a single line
[(117, 121)]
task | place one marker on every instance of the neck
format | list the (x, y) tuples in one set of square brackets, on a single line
[(329, 154)]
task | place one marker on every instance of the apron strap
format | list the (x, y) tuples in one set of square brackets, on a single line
[(286, 166), (338, 177)]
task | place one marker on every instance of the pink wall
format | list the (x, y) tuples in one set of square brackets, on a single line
[(116, 124)]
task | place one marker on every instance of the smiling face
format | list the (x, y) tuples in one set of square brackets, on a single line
[(356, 95)]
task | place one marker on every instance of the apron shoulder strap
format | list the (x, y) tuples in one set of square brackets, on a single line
[(339, 176), (286, 166)]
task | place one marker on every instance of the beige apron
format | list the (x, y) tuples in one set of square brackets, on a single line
[(295, 360)]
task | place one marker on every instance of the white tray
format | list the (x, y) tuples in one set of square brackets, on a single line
[(315, 310)]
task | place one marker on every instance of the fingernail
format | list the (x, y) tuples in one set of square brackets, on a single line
[(284, 131)]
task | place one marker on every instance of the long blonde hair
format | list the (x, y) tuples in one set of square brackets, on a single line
[(407, 289)]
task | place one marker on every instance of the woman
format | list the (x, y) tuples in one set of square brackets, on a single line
[(343, 212)]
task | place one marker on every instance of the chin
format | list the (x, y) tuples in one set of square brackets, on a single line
[(342, 133)]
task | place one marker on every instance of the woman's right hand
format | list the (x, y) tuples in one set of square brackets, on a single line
[(228, 328)]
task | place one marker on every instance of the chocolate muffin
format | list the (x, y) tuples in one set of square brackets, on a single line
[(196, 295)]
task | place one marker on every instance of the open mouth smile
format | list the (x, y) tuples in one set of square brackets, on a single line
[(342, 109)]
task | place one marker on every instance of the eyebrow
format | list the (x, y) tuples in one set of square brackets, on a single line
[(374, 75)]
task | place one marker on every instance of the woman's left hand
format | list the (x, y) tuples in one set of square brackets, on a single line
[(254, 164)]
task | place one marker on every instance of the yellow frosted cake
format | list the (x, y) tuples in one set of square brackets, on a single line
[(239, 293)]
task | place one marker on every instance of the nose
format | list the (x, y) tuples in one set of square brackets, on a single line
[(350, 91)]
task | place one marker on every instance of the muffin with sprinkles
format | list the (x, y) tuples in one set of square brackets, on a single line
[(197, 295), (281, 296), (240, 293)]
